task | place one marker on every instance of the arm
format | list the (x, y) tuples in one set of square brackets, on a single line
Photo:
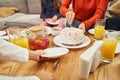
[(101, 8), (40, 76), (69, 14), (58, 15), (64, 7), (13, 52)]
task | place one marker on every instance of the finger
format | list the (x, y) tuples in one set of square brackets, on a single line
[(72, 18), (69, 18), (42, 52), (82, 28), (43, 58)]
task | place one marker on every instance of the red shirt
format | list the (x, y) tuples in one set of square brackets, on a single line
[(86, 11)]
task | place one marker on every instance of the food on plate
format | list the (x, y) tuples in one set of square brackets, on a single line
[(72, 36)]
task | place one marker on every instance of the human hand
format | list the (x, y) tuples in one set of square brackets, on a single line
[(70, 17), (47, 20), (45, 76), (82, 27), (54, 18), (36, 55)]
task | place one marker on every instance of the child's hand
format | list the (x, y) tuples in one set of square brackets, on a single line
[(54, 18)]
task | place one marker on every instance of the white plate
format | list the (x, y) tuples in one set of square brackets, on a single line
[(118, 48), (55, 52), (91, 31), (52, 23), (2, 33), (57, 41)]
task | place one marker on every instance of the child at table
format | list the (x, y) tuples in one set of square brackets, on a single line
[(50, 11), (12, 52)]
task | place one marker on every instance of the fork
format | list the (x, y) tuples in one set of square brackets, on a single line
[(55, 65)]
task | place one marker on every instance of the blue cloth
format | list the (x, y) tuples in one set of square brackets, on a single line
[(113, 23), (48, 10)]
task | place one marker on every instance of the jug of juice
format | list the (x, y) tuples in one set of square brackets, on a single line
[(39, 38)]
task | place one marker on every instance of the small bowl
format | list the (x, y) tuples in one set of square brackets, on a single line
[(56, 30)]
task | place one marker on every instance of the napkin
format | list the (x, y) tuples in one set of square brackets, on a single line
[(90, 59)]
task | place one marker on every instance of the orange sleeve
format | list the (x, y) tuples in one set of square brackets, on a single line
[(64, 7), (100, 11)]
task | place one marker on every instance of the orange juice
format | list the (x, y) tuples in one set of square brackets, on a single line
[(13, 41), (108, 48), (22, 41), (99, 32)]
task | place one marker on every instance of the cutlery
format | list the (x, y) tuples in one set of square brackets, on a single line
[(55, 65)]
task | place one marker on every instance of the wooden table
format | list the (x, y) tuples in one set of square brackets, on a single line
[(67, 68)]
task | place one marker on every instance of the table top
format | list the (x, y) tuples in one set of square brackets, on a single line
[(67, 68)]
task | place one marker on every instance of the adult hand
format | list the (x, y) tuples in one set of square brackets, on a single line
[(70, 17), (54, 18), (82, 26), (45, 76), (36, 55)]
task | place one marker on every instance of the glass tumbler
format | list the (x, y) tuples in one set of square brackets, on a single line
[(99, 29)]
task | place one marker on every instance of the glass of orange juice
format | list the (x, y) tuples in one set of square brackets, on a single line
[(22, 41), (99, 29), (108, 49), (17, 38)]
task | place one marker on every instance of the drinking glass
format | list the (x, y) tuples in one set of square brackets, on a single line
[(108, 49), (17, 38), (99, 29)]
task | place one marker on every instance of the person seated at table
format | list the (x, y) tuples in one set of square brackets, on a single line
[(13, 52), (113, 23), (84, 13), (50, 11)]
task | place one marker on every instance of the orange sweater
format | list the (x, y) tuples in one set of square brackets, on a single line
[(86, 11)]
